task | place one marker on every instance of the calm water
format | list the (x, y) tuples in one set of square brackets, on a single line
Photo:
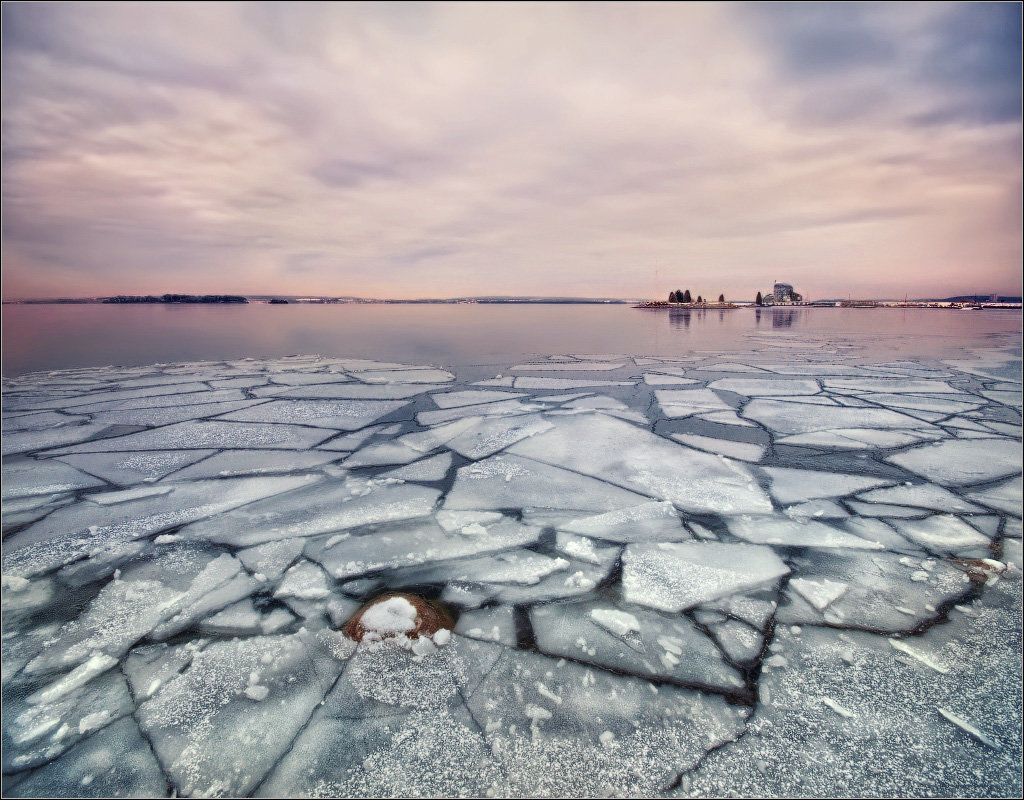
[(47, 337)]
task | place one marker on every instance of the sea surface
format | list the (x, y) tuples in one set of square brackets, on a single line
[(45, 337), (706, 554)]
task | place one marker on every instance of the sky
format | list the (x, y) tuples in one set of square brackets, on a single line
[(410, 150)]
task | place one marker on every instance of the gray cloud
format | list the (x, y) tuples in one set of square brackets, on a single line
[(454, 149)]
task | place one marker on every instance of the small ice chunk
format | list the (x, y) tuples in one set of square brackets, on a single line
[(970, 729), (620, 623), (388, 617)]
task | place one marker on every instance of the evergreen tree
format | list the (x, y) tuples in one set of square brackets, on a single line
[(686, 297), (679, 296), (758, 300), (700, 299), (721, 298), (672, 297)]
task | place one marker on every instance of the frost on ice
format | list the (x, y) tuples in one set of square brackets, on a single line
[(637, 573)]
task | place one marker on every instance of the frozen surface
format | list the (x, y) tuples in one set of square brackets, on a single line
[(779, 571)]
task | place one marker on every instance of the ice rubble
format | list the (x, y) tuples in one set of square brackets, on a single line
[(171, 588)]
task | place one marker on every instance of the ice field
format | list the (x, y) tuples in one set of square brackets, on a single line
[(790, 570)]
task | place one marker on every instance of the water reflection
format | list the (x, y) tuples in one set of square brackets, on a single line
[(785, 317), (46, 337), (679, 318)]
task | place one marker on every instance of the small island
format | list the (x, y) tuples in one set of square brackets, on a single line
[(176, 298)]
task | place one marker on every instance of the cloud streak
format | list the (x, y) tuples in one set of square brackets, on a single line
[(413, 150)]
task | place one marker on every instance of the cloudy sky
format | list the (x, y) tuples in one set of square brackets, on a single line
[(585, 149)]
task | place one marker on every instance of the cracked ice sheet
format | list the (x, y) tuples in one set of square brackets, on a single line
[(1004, 497), (411, 544), (686, 402), (315, 510), (623, 454), (960, 462), (26, 477), (796, 533), (508, 481), (673, 577), (204, 435), (72, 533), (752, 387), (569, 366), (800, 485), (254, 694), (887, 591), (341, 415), (127, 468), (783, 417), (113, 762), (895, 743), (601, 734), (925, 495), (744, 451), (664, 647)]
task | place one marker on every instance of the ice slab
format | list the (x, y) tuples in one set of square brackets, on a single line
[(234, 463), (569, 366), (316, 510), (672, 577), (1004, 497), (887, 592), (741, 643), (784, 417), (493, 624), (944, 533), (498, 409), (221, 726), (726, 418), (37, 731), (856, 438), (795, 533), (508, 481), (40, 421), (341, 415), (744, 451), (823, 509), (623, 454), (608, 733), (755, 612), (564, 383), (347, 391), (114, 762), (583, 548), (471, 398), (489, 436), (132, 467), (959, 462), (75, 532), (686, 402), (940, 405), (27, 477), (889, 385), (210, 434), (653, 521), (382, 454), (924, 495), (428, 470), (272, 559), (30, 441), (764, 387), (658, 379), (405, 376), (799, 485), (670, 648), (412, 544), (885, 510)]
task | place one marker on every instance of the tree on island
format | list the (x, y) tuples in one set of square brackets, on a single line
[(700, 299), (721, 298), (686, 298), (672, 297), (679, 296), (758, 301)]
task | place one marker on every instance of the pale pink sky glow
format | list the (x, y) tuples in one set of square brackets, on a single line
[(437, 150)]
